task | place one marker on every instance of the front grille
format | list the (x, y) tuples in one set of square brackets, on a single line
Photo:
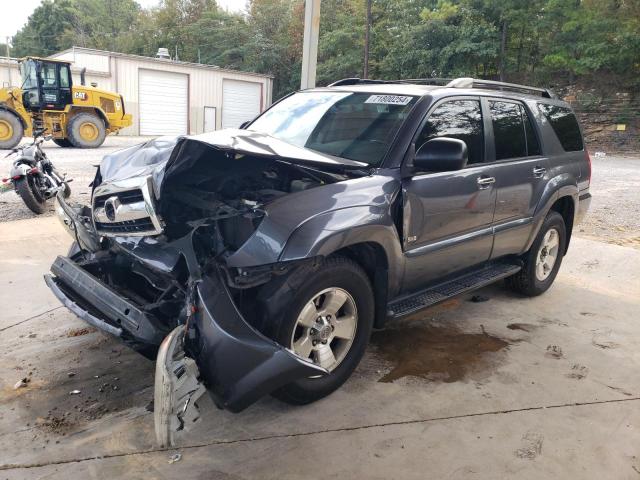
[(131, 226), (129, 196)]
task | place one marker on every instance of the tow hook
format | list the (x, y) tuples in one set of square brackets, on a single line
[(176, 391)]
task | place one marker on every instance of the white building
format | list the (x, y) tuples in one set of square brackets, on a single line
[(166, 97)]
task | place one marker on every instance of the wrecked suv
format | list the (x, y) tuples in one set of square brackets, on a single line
[(257, 261)]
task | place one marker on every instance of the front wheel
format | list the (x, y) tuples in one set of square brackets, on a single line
[(28, 191), (86, 130), (543, 260), (329, 323)]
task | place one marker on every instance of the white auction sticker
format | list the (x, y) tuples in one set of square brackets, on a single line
[(389, 99)]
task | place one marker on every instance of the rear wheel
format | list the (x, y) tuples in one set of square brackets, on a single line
[(329, 323), (62, 142), (11, 130), (543, 260), (86, 130), (28, 191)]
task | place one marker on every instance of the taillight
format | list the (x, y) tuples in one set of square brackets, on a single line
[(33, 171), (586, 152)]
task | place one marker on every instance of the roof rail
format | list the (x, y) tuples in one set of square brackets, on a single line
[(466, 82), (357, 81)]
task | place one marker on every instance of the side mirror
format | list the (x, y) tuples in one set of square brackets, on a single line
[(441, 154)]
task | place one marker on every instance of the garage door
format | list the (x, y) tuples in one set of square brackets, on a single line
[(164, 102), (240, 102)]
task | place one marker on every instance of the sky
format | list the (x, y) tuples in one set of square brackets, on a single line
[(20, 11)]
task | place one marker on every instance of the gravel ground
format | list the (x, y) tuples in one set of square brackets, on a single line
[(78, 164), (613, 216)]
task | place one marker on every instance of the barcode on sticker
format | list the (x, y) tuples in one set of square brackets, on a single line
[(389, 99)]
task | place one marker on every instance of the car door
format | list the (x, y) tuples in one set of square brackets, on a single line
[(447, 216), (520, 172)]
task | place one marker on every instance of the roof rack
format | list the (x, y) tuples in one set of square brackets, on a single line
[(357, 81), (465, 82), (462, 82)]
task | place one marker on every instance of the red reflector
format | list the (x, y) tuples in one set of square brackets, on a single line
[(589, 163), (5, 180), (194, 309), (16, 177), (33, 170)]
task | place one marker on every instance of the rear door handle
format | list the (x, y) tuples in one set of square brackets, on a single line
[(538, 172), (486, 182)]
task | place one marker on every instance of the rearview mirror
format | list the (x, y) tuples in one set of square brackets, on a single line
[(441, 154)]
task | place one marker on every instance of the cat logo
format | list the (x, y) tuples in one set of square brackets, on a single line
[(80, 95)]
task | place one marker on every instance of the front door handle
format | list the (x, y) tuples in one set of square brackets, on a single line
[(538, 172), (486, 182)]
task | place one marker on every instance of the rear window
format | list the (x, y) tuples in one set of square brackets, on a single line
[(564, 123)]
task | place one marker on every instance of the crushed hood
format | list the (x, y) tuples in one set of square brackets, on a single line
[(165, 155)]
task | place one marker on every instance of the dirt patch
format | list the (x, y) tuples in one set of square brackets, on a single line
[(439, 353), (78, 332), (554, 351), (532, 446), (525, 327), (578, 372), (57, 425)]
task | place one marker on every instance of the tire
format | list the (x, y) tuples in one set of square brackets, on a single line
[(62, 142), (336, 274), (86, 130), (531, 281), (34, 202), (11, 130)]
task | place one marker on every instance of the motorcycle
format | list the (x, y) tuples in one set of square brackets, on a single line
[(33, 175)]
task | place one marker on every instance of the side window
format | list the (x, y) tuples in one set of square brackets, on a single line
[(460, 119), (533, 146), (508, 130), (564, 123), (64, 76)]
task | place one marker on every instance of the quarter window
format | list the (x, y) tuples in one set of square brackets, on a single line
[(564, 123), (461, 119)]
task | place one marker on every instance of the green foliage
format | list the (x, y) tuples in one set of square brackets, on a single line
[(522, 40)]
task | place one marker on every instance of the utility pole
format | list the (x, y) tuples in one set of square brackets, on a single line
[(367, 40), (310, 43)]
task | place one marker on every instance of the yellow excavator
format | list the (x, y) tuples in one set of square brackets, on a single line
[(74, 115)]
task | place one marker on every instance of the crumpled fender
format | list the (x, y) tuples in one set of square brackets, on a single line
[(238, 364)]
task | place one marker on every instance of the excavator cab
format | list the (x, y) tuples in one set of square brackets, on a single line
[(46, 84)]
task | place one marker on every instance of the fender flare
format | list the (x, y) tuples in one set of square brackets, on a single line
[(329, 232), (86, 109), (563, 185), (7, 108), (20, 170)]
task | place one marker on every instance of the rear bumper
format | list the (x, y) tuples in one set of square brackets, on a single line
[(584, 201), (237, 364)]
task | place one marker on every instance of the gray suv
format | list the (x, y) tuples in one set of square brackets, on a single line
[(258, 260)]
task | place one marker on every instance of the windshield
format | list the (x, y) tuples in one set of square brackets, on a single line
[(28, 74), (356, 126)]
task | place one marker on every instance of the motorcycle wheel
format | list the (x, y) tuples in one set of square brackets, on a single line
[(27, 190)]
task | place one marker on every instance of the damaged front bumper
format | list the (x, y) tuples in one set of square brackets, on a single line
[(215, 348)]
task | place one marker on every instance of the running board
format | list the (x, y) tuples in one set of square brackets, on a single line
[(439, 293)]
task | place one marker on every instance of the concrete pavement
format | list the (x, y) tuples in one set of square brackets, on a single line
[(507, 388)]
